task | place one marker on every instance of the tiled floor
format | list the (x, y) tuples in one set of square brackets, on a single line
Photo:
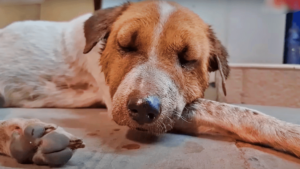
[(110, 146)]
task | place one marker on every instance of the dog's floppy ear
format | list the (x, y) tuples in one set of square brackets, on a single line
[(98, 26), (218, 57)]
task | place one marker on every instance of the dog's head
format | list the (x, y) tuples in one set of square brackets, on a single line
[(157, 59)]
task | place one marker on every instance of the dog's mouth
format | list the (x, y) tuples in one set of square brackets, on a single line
[(141, 129), (162, 125)]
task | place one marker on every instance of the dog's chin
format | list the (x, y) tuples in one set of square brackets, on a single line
[(152, 131), (141, 129)]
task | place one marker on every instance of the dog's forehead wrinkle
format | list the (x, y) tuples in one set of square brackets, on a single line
[(165, 10)]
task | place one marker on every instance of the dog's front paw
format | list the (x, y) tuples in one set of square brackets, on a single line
[(43, 144)]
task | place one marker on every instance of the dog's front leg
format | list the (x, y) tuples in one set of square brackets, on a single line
[(33, 141), (242, 123)]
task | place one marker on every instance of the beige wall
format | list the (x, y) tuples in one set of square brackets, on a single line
[(11, 13), (270, 85), (53, 10), (62, 10)]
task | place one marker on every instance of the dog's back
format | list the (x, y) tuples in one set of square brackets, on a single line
[(33, 42), (36, 64)]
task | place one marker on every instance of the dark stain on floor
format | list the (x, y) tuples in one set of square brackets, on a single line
[(192, 147), (252, 159), (92, 134), (131, 146)]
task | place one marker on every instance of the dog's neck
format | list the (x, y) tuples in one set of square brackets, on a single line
[(74, 46), (74, 43)]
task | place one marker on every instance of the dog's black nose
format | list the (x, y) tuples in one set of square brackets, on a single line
[(144, 110)]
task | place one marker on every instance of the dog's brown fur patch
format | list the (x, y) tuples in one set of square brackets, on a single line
[(217, 50), (99, 25)]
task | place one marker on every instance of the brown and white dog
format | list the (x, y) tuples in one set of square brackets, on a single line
[(148, 62)]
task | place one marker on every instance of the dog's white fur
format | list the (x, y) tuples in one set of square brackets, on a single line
[(165, 10), (36, 54)]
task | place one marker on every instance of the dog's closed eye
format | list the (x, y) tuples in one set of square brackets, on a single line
[(127, 40), (184, 61)]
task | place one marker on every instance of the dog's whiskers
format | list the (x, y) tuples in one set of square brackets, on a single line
[(184, 119), (181, 117)]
